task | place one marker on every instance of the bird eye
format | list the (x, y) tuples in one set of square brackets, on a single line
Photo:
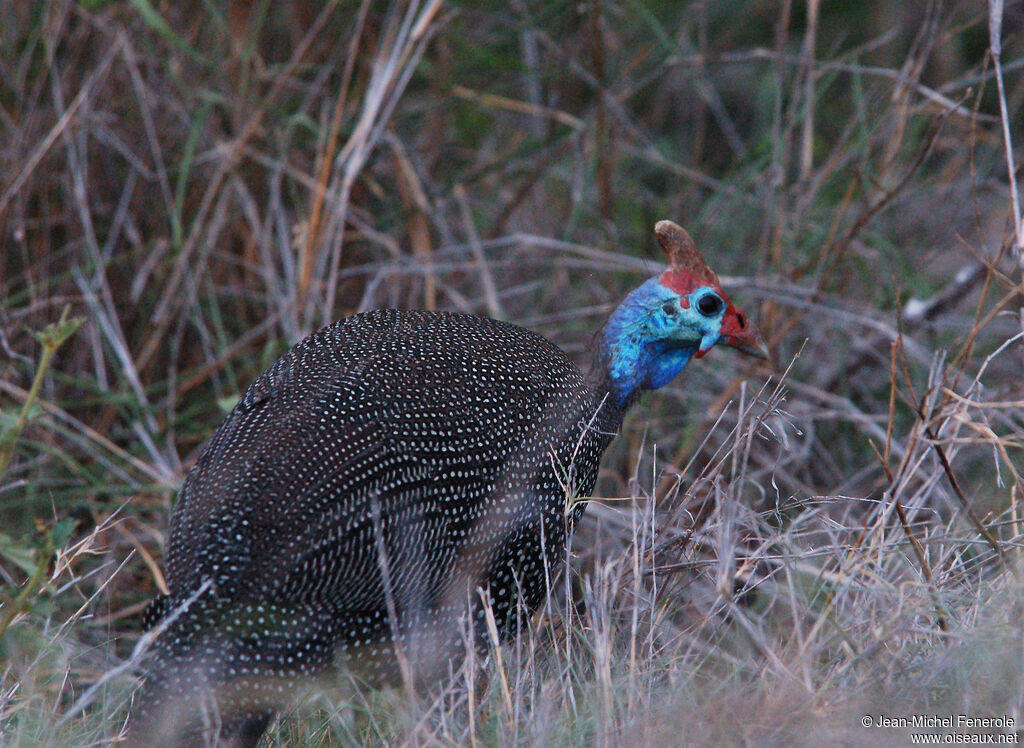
[(669, 308), (709, 305)]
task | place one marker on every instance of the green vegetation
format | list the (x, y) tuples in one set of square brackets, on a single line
[(188, 188)]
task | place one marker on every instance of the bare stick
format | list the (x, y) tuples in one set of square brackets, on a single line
[(995, 28)]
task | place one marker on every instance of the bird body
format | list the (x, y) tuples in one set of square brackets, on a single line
[(386, 479)]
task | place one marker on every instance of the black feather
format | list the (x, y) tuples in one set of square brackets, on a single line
[(364, 488)]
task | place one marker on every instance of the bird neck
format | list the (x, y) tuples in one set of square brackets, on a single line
[(628, 359)]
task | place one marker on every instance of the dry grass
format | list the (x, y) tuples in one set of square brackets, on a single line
[(779, 551)]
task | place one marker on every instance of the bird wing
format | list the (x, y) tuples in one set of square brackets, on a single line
[(350, 473)]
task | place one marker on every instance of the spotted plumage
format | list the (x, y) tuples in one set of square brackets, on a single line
[(376, 484)]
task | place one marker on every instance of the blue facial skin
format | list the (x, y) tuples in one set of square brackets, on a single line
[(651, 337)]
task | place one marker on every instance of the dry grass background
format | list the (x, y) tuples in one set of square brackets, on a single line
[(779, 551)]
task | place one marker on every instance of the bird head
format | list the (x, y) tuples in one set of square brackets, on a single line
[(676, 316)]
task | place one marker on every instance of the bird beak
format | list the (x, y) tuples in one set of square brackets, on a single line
[(755, 347), (741, 334)]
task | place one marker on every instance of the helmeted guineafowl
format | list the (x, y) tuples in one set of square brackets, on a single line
[(385, 476)]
